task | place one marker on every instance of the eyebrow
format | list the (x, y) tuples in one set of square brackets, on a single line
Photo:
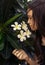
[(29, 16), (27, 11)]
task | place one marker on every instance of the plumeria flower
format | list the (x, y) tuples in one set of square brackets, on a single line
[(27, 33), (24, 26), (16, 26), (29, 0), (21, 36)]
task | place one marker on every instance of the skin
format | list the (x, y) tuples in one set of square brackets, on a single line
[(21, 54), (43, 40), (31, 21)]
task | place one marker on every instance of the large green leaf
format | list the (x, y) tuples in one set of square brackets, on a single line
[(11, 19), (12, 38), (13, 42)]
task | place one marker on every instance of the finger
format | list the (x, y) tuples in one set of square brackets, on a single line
[(37, 58), (14, 51), (19, 53), (34, 58), (37, 61), (21, 56)]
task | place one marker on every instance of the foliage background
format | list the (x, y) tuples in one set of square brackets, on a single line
[(10, 11)]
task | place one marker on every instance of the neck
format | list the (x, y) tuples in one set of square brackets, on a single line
[(43, 40)]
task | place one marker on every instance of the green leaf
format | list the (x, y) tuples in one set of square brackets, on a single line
[(7, 51), (13, 39), (1, 35), (11, 19), (1, 44), (13, 42)]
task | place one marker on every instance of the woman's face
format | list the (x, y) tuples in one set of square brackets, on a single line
[(31, 21)]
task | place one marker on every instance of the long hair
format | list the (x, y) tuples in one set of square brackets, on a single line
[(38, 7)]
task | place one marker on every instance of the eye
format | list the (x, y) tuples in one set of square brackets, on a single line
[(30, 17)]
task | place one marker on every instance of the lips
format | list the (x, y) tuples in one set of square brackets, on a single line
[(30, 24)]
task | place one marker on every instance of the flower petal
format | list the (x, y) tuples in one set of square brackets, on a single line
[(24, 38), (12, 25), (18, 35), (14, 28), (16, 23), (21, 39), (19, 28), (28, 36)]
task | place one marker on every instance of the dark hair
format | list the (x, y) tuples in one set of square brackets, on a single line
[(38, 7)]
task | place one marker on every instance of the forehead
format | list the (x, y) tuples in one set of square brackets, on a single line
[(29, 12)]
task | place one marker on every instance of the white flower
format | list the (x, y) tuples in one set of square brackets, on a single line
[(16, 26), (21, 36), (27, 33), (24, 26), (29, 0), (19, 64)]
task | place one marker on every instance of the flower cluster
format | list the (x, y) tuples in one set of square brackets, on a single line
[(24, 32)]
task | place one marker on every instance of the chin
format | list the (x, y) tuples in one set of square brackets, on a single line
[(33, 30)]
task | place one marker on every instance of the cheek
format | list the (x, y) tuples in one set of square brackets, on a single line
[(36, 26), (33, 26), (32, 23)]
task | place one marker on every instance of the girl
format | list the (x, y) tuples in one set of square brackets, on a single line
[(36, 21)]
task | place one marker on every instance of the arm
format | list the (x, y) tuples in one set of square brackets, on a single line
[(31, 61), (22, 55), (28, 60)]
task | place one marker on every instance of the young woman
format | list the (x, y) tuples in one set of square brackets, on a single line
[(36, 21)]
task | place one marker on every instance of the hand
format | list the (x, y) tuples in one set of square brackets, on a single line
[(20, 54), (38, 59), (33, 62)]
